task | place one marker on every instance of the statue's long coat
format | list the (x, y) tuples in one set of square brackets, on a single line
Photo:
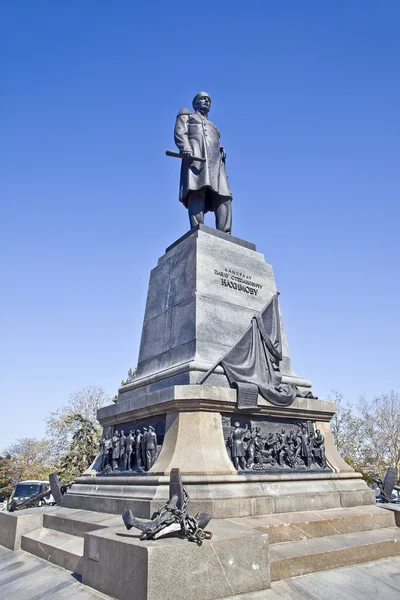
[(116, 446), (199, 136)]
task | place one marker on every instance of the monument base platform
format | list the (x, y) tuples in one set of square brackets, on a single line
[(222, 496), (328, 505), (243, 556), (194, 424), (283, 500)]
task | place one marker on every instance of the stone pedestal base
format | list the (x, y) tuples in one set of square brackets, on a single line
[(223, 496), (14, 525), (192, 435), (194, 442), (201, 298), (235, 561)]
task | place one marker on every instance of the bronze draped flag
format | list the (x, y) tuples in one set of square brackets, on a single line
[(255, 358)]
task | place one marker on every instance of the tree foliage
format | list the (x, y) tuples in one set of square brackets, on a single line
[(369, 440), (129, 379), (6, 480), (72, 440), (28, 458), (61, 424), (347, 429), (381, 418), (83, 447)]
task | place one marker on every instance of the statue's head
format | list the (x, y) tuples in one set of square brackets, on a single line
[(236, 424), (151, 428), (202, 103)]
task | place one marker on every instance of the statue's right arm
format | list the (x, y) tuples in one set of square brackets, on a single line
[(181, 131)]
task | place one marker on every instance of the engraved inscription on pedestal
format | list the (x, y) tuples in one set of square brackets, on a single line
[(273, 445), (237, 280)]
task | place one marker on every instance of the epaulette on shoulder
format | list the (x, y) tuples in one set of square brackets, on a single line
[(183, 111)]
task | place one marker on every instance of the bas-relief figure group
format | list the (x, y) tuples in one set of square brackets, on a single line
[(136, 451), (300, 447)]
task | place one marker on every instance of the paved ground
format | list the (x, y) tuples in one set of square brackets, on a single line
[(373, 580), (26, 577)]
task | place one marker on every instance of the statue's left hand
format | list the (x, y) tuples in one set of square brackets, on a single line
[(187, 156)]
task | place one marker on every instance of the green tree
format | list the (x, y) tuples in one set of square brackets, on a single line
[(129, 379), (61, 424), (6, 481), (28, 458), (83, 447)]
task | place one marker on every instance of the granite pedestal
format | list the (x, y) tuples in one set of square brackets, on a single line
[(233, 562), (194, 440), (202, 296)]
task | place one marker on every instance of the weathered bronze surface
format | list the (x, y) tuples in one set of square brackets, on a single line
[(136, 451), (172, 517), (267, 445), (203, 182)]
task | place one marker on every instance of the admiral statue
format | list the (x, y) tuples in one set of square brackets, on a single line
[(203, 184)]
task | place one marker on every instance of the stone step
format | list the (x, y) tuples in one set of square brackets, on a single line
[(287, 527), (78, 522), (56, 547), (290, 559)]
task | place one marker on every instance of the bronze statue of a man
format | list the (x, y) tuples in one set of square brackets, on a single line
[(203, 185), (237, 446), (151, 447)]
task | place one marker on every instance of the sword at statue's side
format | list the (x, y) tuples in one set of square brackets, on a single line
[(179, 155)]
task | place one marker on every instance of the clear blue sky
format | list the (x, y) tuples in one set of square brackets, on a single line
[(307, 97)]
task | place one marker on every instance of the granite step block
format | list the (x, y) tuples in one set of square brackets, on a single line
[(290, 559), (79, 522), (288, 527), (56, 547)]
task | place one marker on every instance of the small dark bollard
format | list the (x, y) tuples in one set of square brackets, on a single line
[(387, 486), (56, 490), (172, 517)]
